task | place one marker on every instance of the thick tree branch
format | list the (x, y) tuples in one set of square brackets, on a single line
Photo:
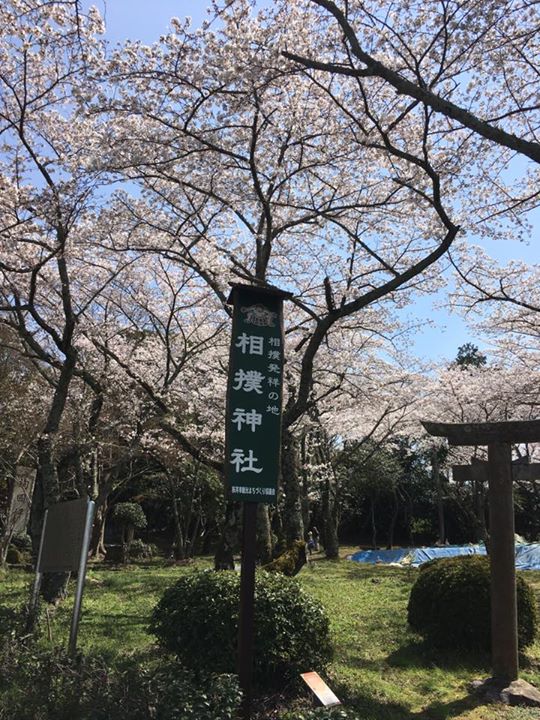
[(406, 87)]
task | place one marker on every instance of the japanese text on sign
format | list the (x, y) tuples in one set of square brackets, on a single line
[(254, 396)]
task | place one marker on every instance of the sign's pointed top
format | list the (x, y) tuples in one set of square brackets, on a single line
[(259, 289)]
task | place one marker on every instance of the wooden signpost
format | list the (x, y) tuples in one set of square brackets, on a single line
[(253, 437), (498, 436)]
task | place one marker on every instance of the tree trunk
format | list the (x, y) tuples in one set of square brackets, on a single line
[(479, 511), (393, 519), (331, 542), (373, 524), (47, 490), (194, 537), (277, 529), (97, 541), (438, 486), (264, 535), (179, 548), (292, 509), (128, 533), (303, 479), (228, 541), (7, 532)]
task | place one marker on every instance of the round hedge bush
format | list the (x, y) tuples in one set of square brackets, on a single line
[(129, 513), (197, 619), (450, 604)]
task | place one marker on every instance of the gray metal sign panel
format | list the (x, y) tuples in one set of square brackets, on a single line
[(64, 533)]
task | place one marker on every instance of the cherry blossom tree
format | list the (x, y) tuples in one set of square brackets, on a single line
[(251, 171), (477, 70), (232, 163), (503, 305), (52, 273), (476, 75)]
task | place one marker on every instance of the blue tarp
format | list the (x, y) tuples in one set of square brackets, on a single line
[(380, 556), (419, 556), (527, 556)]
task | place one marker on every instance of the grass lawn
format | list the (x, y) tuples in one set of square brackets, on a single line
[(380, 668)]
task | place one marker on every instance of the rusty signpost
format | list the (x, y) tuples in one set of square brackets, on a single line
[(498, 436), (253, 437)]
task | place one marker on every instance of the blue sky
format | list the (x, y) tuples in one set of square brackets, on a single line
[(144, 20), (440, 334)]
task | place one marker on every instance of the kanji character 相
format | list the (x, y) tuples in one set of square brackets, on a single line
[(252, 343)]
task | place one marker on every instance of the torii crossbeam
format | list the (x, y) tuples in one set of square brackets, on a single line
[(499, 437)]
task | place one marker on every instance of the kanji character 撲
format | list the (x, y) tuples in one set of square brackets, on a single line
[(248, 380)]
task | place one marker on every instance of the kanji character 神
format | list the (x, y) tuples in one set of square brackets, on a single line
[(250, 418)]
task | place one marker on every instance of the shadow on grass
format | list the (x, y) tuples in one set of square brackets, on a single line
[(113, 620), (445, 711), (367, 707), (377, 573), (131, 588), (419, 654), (11, 620)]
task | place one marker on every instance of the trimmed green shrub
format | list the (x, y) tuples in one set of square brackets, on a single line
[(321, 713), (38, 684), (179, 697), (130, 514), (139, 550), (450, 604), (197, 618)]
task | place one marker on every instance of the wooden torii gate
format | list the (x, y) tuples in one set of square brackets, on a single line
[(478, 472), (499, 437)]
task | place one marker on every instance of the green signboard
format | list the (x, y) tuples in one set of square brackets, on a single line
[(253, 430)]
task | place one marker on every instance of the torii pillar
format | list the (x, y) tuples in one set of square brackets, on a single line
[(499, 437)]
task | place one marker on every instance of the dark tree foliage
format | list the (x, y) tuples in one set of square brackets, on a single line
[(468, 355)]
